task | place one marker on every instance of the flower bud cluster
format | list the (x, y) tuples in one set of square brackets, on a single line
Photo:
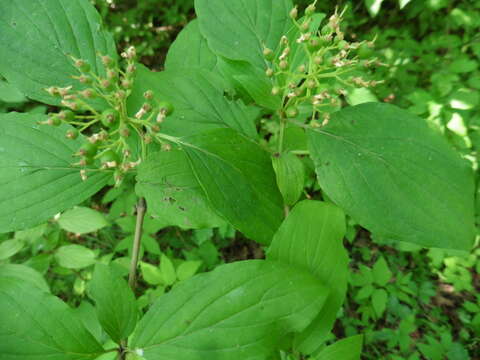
[(331, 66), (106, 133)]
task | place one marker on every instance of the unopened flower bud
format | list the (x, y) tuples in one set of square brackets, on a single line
[(71, 105), (305, 26), (106, 84), (53, 91), (131, 68), (318, 60), (64, 91), (66, 115), (275, 90), (53, 120), (88, 93), (268, 54), (269, 72), (311, 84), (82, 65), (140, 113), (126, 84), (112, 74), (160, 117), (310, 10), (85, 79), (107, 60), (165, 107), (72, 134), (120, 94), (131, 52), (283, 64), (294, 13), (147, 107), (148, 94), (124, 132)]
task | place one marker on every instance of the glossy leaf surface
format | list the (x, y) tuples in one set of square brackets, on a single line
[(239, 29), (395, 176), (114, 301), (37, 179), (39, 37), (311, 237), (37, 325), (238, 311)]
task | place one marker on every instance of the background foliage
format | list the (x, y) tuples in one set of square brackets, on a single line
[(409, 302)]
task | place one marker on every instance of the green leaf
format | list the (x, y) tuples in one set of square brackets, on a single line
[(190, 50), (10, 94), (23, 274), (114, 301), (87, 315), (356, 96), (238, 311), (229, 171), (345, 349), (74, 256), (373, 6), (82, 220), (38, 38), (381, 273), (464, 99), (8, 248), (239, 29), (36, 325), (371, 162), (151, 274), (173, 193), (168, 270), (37, 179), (198, 99), (379, 301), (251, 82), (403, 3), (290, 175), (187, 269), (463, 65), (312, 238), (237, 178)]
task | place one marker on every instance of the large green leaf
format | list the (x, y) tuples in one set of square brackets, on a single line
[(345, 349), (173, 193), (312, 238), (37, 179), (198, 99), (37, 38), (395, 176), (250, 82), (237, 178), (37, 325), (239, 29), (23, 274), (10, 94), (115, 302), (226, 169), (238, 311), (190, 50)]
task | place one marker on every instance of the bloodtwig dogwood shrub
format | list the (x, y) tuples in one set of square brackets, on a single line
[(252, 89)]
